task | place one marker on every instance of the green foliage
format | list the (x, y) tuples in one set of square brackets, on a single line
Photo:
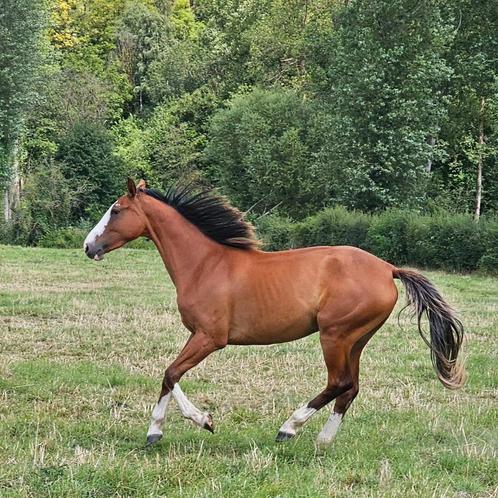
[(454, 243), (142, 33), (278, 40), (176, 137), (331, 227), (489, 260), (449, 242), (262, 148), (72, 237), (87, 160), (47, 203), (64, 238), (288, 107), (130, 147), (394, 235), (21, 55), (182, 66), (276, 232), (383, 69), (472, 105)]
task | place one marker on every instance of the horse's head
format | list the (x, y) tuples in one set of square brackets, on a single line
[(122, 222)]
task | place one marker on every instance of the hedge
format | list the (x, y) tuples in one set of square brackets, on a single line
[(451, 242)]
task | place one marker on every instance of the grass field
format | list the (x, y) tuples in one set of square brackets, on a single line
[(83, 347)]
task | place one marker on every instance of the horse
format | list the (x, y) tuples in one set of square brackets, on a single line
[(230, 292)]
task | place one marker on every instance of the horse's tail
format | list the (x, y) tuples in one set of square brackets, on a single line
[(445, 330)]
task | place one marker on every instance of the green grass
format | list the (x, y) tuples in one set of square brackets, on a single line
[(83, 347)]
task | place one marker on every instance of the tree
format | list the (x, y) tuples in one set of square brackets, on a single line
[(176, 136), (86, 158), (278, 51), (470, 130), (383, 70), (21, 27), (262, 146), (142, 33)]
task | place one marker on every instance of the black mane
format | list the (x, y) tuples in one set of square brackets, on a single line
[(211, 214)]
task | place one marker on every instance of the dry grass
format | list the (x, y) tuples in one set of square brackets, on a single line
[(83, 348)]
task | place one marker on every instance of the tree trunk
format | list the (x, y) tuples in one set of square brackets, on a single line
[(6, 205), (477, 213), (12, 189), (431, 141)]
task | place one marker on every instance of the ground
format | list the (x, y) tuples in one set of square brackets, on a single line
[(83, 347)]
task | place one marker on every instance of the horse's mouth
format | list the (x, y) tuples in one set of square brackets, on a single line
[(99, 255)]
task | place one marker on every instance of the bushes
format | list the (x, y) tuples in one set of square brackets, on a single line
[(332, 227), (73, 237), (489, 260), (64, 238), (449, 242), (390, 236), (276, 232), (453, 243), (47, 201)]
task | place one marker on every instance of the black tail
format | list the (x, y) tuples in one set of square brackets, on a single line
[(446, 331)]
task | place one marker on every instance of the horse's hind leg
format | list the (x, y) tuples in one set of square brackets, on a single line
[(343, 402), (336, 351)]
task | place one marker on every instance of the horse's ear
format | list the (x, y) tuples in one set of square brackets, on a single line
[(132, 188), (141, 185)]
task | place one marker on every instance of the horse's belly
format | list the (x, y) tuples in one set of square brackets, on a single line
[(271, 326)]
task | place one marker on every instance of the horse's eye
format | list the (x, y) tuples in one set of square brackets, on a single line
[(114, 211)]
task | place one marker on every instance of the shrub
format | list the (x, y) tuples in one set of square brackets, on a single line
[(489, 260), (454, 242), (73, 237), (332, 227), (275, 232), (6, 236), (46, 203), (64, 238), (390, 236), (86, 157), (451, 242)]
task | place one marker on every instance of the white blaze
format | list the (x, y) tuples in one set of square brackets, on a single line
[(99, 228)]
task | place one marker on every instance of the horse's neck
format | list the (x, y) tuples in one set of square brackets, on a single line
[(182, 246)]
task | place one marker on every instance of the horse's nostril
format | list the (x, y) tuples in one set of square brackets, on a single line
[(86, 248)]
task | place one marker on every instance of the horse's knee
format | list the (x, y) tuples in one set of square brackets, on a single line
[(170, 379)]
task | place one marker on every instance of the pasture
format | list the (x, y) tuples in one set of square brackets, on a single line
[(83, 347)]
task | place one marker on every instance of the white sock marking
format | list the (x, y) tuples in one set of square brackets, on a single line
[(158, 415), (297, 419), (99, 228), (330, 429), (188, 409)]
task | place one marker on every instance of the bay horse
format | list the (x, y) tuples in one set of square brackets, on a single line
[(230, 292)]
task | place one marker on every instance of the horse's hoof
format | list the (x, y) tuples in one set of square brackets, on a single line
[(209, 424), (153, 438), (283, 436)]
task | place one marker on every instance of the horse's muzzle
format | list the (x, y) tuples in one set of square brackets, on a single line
[(94, 251)]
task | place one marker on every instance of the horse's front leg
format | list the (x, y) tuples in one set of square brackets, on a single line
[(199, 346)]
